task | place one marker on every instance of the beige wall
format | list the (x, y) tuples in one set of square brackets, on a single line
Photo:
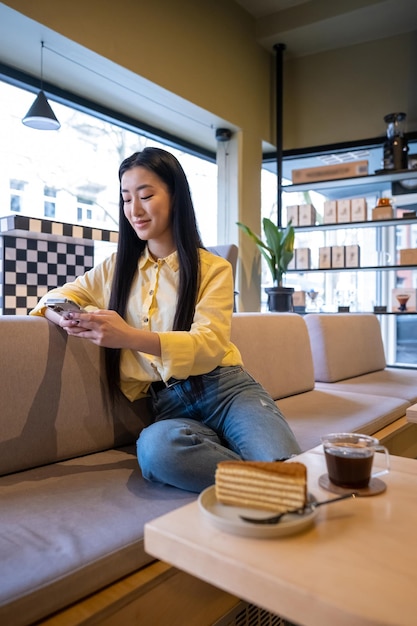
[(344, 94)]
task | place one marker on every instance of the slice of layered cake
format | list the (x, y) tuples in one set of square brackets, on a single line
[(272, 486)]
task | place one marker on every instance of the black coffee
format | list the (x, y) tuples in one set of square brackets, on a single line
[(349, 467)]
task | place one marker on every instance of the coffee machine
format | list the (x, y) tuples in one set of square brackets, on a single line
[(395, 145)]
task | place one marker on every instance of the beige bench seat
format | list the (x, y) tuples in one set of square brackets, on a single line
[(315, 413), (276, 350)]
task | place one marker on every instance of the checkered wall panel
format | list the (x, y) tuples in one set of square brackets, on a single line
[(31, 267), (44, 229), (38, 255)]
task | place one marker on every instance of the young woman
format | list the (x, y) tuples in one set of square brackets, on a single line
[(162, 307)]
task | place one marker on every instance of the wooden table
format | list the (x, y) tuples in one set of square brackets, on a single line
[(356, 566), (412, 413)]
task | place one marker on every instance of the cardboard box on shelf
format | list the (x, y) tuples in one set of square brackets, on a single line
[(383, 210), (382, 213), (404, 299), (358, 210), (338, 256), (306, 215), (299, 298), (343, 210), (352, 256), (292, 214), (330, 172), (408, 256), (302, 258), (325, 258), (330, 212)]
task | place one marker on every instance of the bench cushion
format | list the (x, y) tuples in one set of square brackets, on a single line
[(344, 345), (319, 412), (62, 376), (71, 528), (391, 381), (275, 348)]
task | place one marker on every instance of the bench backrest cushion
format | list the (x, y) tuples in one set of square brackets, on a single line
[(54, 399), (275, 348), (345, 345)]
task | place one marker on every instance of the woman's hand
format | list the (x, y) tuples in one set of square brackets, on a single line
[(108, 330)]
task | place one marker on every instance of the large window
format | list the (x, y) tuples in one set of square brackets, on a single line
[(17, 188), (70, 175)]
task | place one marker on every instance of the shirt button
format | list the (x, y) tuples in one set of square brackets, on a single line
[(146, 320), (151, 292)]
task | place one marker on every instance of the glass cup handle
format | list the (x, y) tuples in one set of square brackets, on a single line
[(387, 463)]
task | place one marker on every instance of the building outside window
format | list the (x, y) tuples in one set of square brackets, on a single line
[(49, 202), (84, 210), (17, 188)]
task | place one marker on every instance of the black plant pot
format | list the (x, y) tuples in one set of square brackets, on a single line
[(280, 299)]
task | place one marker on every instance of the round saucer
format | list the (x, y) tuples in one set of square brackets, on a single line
[(375, 487)]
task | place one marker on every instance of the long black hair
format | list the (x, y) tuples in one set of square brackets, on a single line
[(186, 238)]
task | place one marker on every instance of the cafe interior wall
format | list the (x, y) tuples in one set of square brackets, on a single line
[(342, 95)]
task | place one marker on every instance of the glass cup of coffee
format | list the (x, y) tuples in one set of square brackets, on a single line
[(349, 459)]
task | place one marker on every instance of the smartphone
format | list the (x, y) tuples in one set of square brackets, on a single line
[(63, 306)]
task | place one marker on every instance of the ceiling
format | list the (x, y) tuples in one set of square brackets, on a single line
[(312, 26), (304, 26)]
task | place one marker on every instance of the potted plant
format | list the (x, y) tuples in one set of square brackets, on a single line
[(278, 252)]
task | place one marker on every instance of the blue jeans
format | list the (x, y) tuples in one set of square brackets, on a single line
[(231, 417)]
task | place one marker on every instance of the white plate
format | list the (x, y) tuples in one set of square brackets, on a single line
[(227, 518)]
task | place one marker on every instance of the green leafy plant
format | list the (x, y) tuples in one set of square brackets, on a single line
[(278, 249)]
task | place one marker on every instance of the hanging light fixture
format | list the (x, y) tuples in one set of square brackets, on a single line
[(40, 114)]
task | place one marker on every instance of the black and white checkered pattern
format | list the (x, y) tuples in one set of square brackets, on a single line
[(48, 255)]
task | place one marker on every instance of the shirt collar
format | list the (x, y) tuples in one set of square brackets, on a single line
[(171, 260)]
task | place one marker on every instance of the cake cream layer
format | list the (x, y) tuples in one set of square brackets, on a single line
[(273, 486)]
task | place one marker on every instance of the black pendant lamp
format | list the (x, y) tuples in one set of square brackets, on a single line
[(40, 114)]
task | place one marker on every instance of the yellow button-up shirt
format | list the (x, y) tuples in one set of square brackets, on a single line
[(152, 306)]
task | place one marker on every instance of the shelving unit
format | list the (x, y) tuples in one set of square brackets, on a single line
[(362, 268), (367, 224), (371, 283), (359, 186)]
